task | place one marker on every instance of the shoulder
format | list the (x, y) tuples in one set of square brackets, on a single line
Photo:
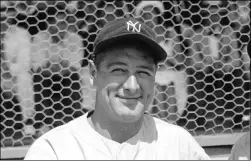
[(243, 142), (167, 131), (178, 140), (241, 148), (63, 130), (56, 141), (43, 147), (172, 129), (244, 139)]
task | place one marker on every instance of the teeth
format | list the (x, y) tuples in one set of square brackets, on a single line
[(128, 98)]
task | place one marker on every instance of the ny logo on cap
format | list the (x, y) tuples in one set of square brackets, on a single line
[(133, 26)]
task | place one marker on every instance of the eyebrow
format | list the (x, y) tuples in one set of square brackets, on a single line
[(115, 63), (145, 67), (124, 64)]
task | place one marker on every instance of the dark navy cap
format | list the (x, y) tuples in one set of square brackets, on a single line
[(128, 29)]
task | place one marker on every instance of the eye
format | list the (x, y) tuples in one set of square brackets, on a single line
[(118, 70), (144, 73)]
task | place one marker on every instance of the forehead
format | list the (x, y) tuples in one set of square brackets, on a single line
[(128, 54)]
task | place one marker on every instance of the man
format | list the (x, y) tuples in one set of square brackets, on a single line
[(123, 71), (241, 149)]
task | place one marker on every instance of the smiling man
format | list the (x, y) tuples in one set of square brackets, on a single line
[(125, 61)]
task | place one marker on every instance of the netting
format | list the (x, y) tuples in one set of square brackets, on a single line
[(204, 85)]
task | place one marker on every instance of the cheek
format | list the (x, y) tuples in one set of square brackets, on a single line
[(109, 90), (148, 88)]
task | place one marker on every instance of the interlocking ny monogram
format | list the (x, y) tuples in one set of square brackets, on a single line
[(134, 26)]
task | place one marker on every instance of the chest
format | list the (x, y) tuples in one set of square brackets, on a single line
[(140, 151)]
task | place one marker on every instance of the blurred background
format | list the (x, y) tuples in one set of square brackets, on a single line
[(203, 86)]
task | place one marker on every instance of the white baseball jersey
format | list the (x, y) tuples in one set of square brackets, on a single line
[(77, 140)]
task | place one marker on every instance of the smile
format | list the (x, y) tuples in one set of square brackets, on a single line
[(128, 98)]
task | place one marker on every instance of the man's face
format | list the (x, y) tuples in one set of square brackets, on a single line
[(125, 84)]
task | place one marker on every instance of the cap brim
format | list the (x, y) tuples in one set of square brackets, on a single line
[(160, 54)]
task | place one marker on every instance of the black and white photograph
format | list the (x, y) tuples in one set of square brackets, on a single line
[(125, 80)]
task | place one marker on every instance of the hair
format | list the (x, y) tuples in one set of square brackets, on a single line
[(99, 56)]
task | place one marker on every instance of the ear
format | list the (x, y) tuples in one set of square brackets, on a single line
[(93, 73)]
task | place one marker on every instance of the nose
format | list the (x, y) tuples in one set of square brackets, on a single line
[(131, 84)]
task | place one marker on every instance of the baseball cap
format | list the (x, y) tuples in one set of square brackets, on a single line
[(128, 29)]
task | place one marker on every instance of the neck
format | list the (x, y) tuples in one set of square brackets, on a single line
[(114, 130)]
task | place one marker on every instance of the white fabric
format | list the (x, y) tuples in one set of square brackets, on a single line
[(77, 140)]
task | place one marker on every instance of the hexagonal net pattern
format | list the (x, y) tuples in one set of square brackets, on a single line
[(203, 85)]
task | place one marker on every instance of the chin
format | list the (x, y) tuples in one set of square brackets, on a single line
[(127, 111), (128, 114)]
